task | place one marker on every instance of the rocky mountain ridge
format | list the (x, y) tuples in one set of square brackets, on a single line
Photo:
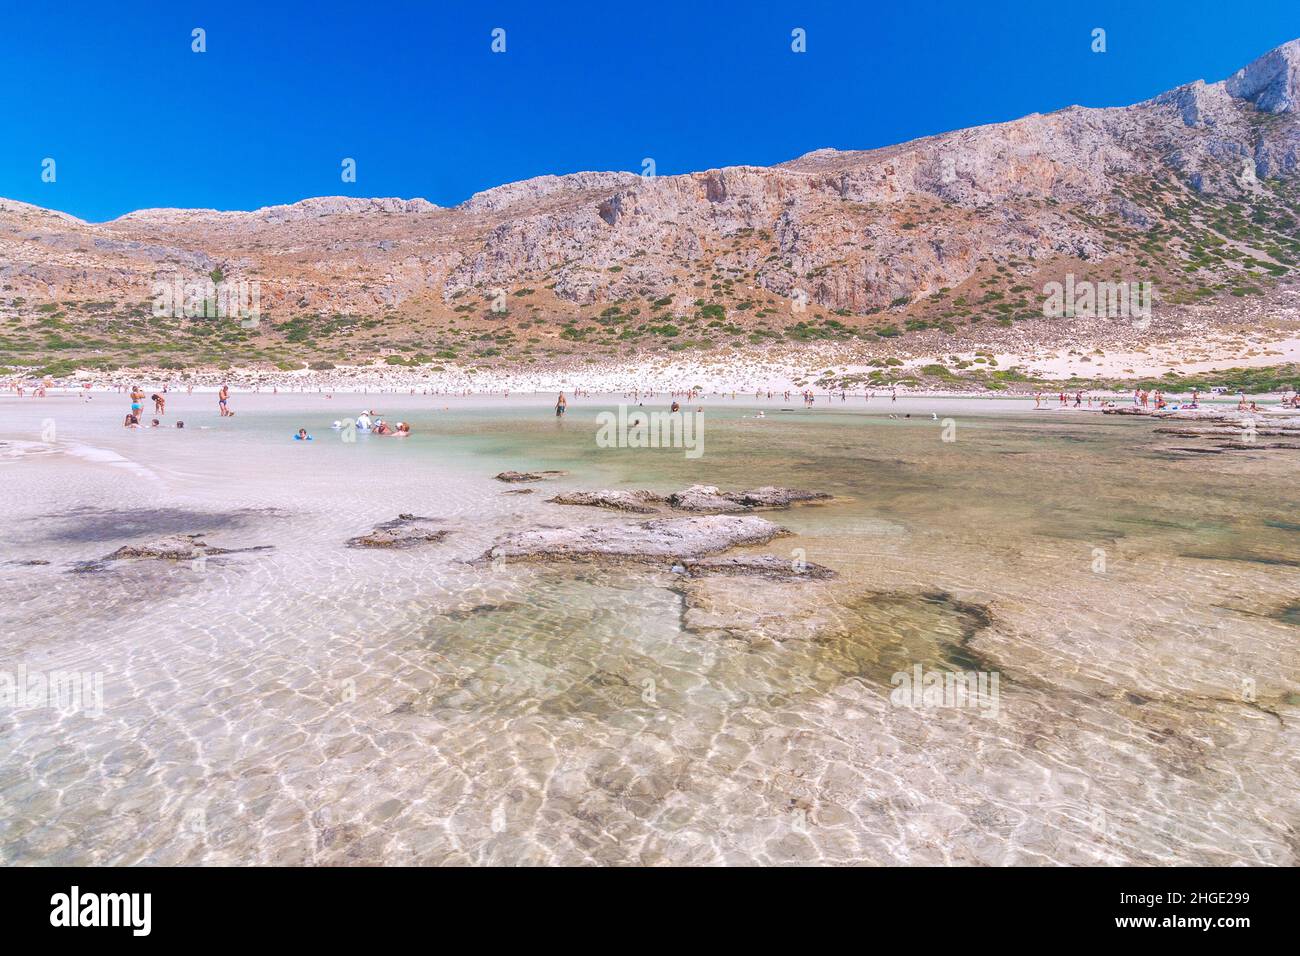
[(1196, 189)]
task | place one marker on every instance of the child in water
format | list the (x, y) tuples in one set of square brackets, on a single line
[(302, 435)]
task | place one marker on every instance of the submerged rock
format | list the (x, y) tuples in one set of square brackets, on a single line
[(772, 497), (404, 531), (660, 539), (705, 499), (761, 565), (515, 476), (172, 547), (639, 502)]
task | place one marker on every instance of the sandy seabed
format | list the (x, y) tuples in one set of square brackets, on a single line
[(319, 704)]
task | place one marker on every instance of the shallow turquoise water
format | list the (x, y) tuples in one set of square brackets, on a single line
[(316, 703)]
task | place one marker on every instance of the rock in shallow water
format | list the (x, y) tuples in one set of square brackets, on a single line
[(660, 539), (638, 502), (516, 476), (173, 547), (760, 565), (404, 531), (697, 498)]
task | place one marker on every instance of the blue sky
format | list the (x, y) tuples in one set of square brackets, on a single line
[(412, 91)]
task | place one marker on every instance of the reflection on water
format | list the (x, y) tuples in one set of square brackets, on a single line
[(320, 704)]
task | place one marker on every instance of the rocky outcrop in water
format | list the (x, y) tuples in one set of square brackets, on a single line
[(404, 531), (709, 498), (771, 566), (1219, 431), (702, 499), (518, 476), (660, 539), (172, 547), (638, 502)]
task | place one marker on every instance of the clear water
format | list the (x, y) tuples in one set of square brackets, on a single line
[(320, 704)]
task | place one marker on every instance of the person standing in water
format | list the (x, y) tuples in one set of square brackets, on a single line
[(223, 396), (561, 405)]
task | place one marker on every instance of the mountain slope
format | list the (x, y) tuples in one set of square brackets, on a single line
[(1196, 191)]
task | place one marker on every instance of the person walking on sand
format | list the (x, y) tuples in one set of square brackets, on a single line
[(223, 399), (561, 405)]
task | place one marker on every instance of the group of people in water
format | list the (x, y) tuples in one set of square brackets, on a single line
[(368, 421), (134, 416)]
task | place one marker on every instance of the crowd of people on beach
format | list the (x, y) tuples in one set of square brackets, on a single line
[(1145, 400)]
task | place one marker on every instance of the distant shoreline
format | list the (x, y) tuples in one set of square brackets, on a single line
[(994, 376)]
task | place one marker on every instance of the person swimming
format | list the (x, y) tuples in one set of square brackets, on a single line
[(302, 435), (131, 421)]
